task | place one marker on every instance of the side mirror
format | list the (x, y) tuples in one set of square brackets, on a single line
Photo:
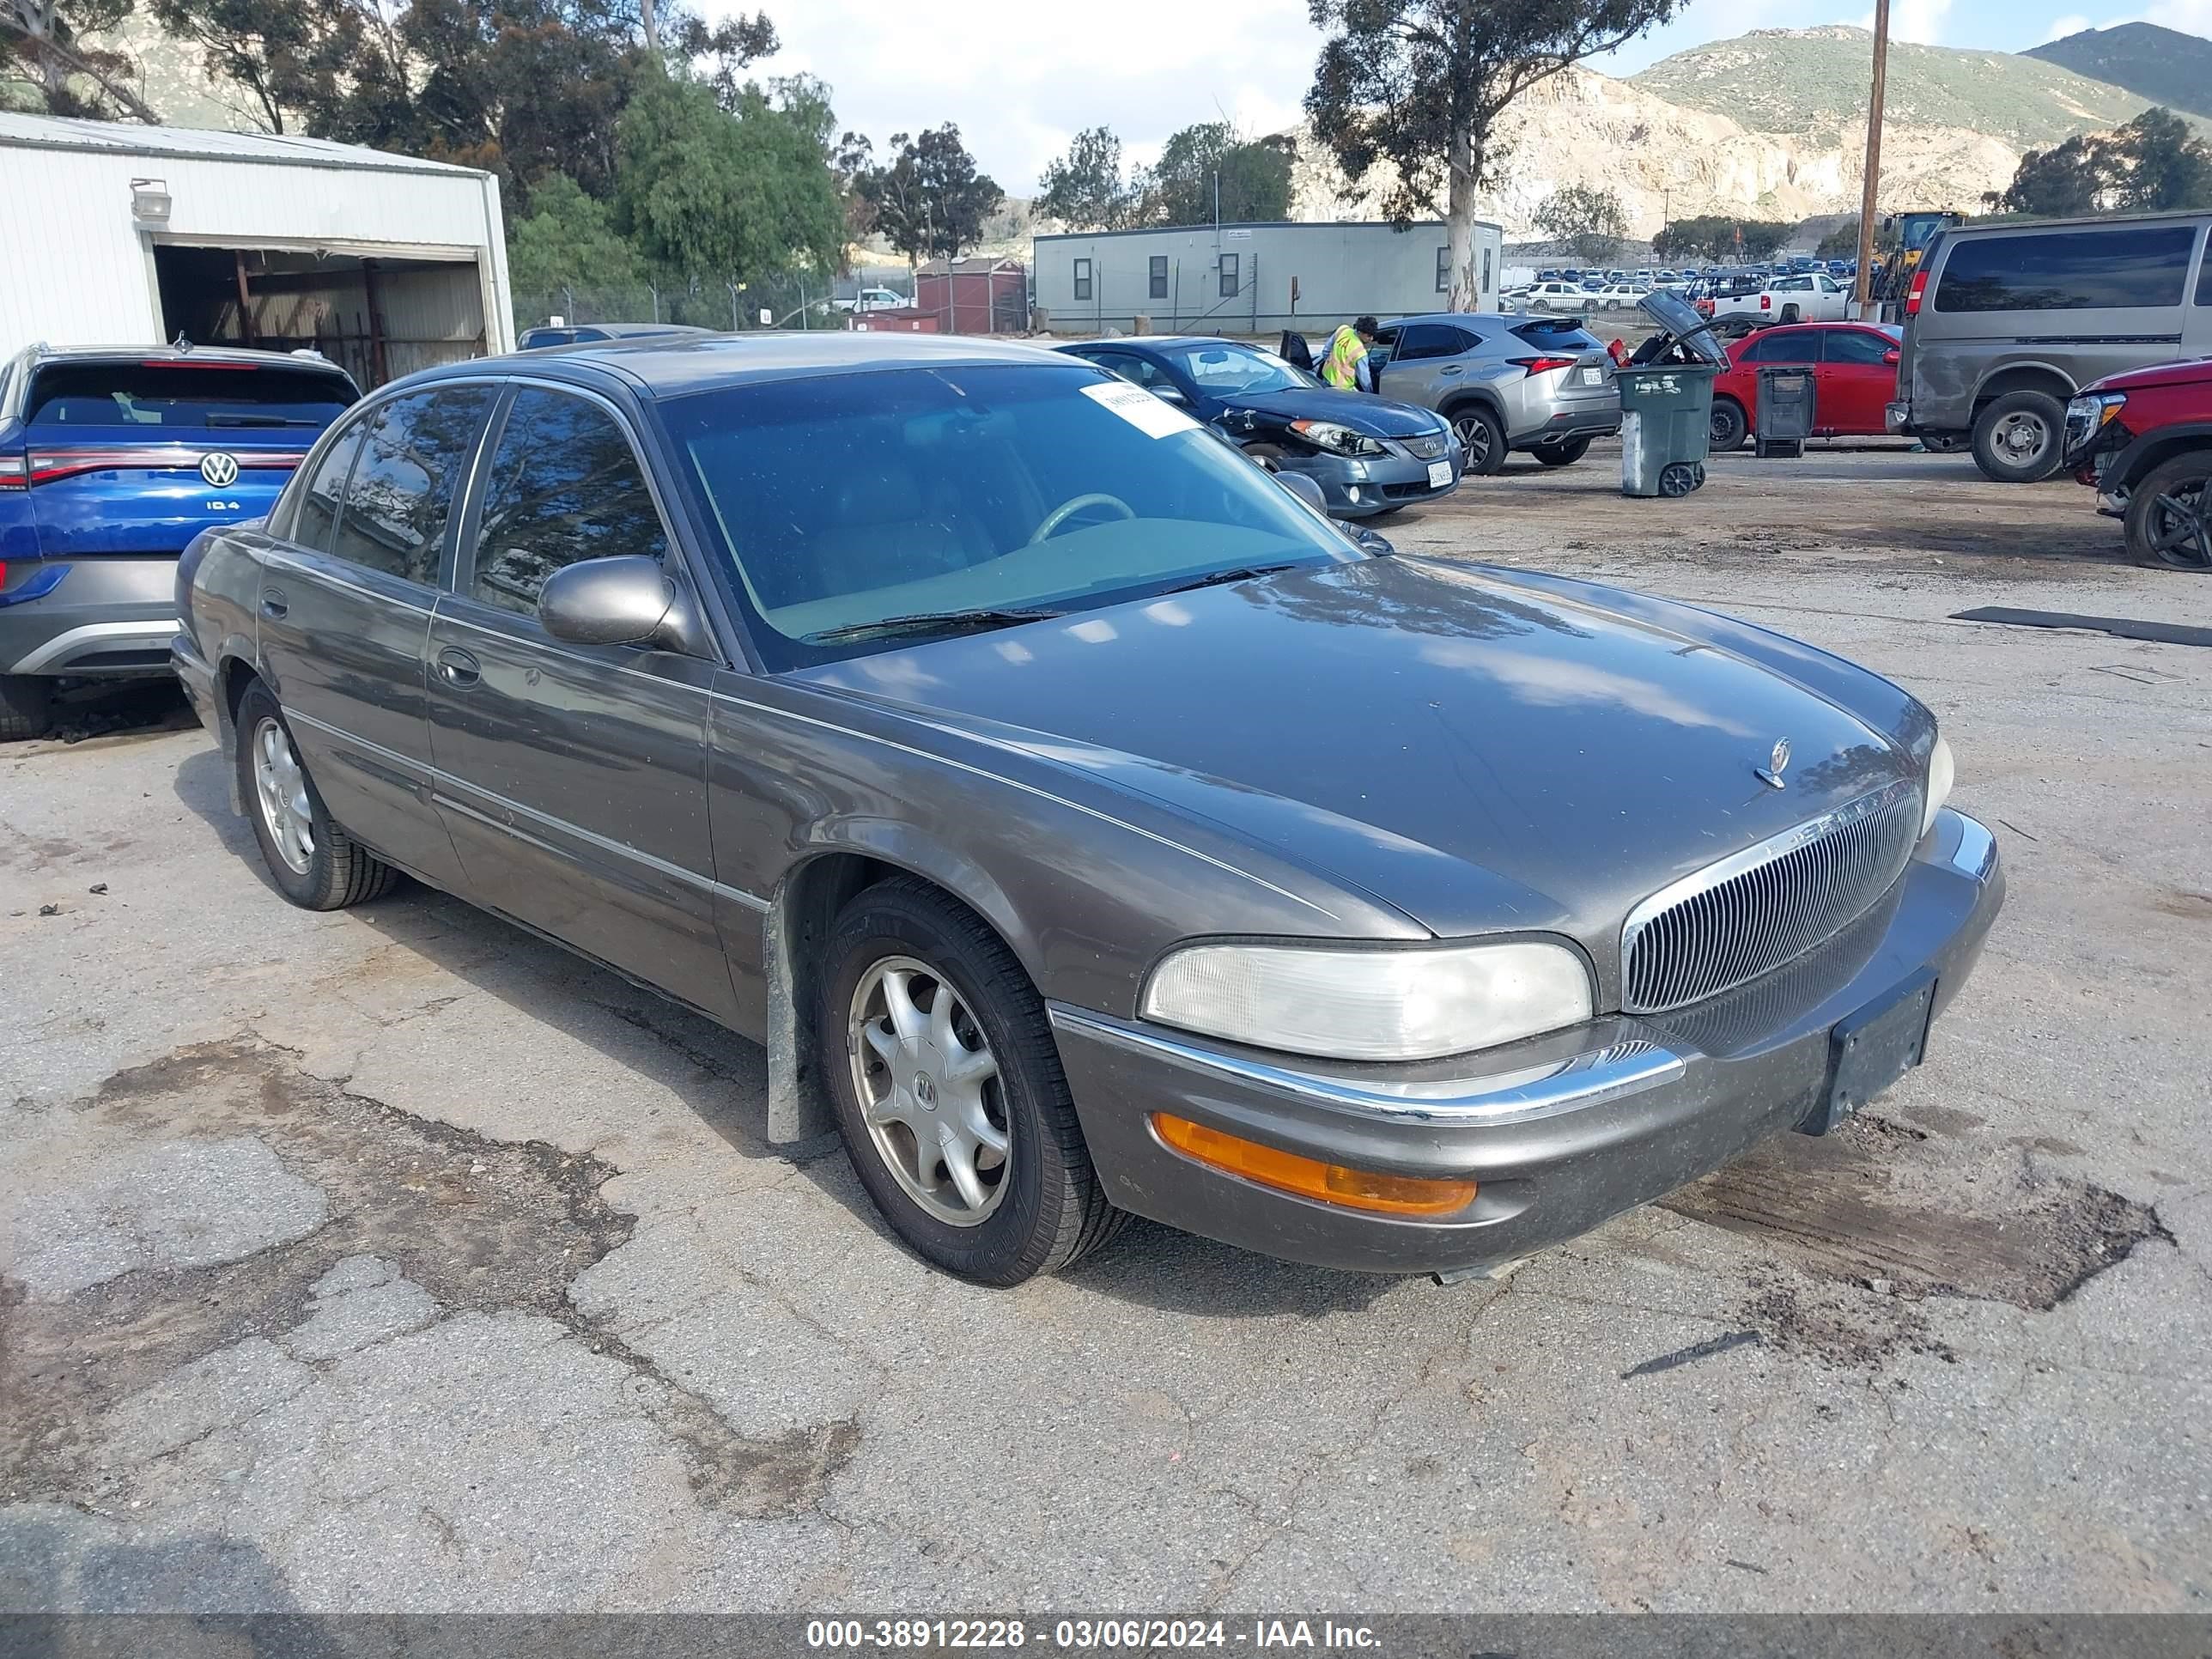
[(1168, 394), (1373, 541), (1306, 489), (1893, 356), (621, 601)]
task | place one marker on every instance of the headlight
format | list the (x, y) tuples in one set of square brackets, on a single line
[(1373, 1004), (2091, 412), (1939, 782), (1337, 438)]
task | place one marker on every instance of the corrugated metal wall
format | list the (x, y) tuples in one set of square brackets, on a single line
[(77, 270)]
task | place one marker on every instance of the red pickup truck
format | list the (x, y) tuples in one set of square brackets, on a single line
[(2143, 441)]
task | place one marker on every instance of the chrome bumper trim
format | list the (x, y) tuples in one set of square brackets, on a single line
[(71, 641), (1587, 1079)]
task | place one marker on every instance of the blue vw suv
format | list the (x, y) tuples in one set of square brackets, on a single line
[(112, 459)]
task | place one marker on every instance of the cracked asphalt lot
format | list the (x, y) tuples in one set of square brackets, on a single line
[(394, 1260)]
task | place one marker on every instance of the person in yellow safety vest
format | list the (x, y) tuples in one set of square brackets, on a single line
[(1345, 366)]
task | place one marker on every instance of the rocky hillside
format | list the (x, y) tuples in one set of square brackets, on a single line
[(2164, 65), (1772, 125)]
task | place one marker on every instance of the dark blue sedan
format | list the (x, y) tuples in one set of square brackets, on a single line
[(1369, 455)]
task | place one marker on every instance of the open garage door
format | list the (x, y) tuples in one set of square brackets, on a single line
[(378, 316)]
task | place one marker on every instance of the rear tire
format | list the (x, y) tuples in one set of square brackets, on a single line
[(1031, 1205), (1565, 454), (2019, 438), (1482, 435), (1728, 426), (27, 707), (314, 862), (2169, 523)]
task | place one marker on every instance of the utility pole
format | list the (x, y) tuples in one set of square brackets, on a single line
[(651, 26), (1872, 182)]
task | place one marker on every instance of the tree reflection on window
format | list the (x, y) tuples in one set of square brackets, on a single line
[(403, 489), (565, 486)]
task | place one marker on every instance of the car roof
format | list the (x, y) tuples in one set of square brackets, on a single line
[(624, 331), (170, 353), (675, 365), (1152, 342)]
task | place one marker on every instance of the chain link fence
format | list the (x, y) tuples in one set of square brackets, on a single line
[(788, 301)]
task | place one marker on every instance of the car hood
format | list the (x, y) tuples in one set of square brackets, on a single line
[(1377, 417), (2191, 372), (1476, 753)]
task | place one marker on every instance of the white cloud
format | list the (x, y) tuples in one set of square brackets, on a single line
[(1021, 82), (2060, 28), (2189, 16), (1915, 20)]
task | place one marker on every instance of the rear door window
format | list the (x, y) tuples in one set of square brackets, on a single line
[(1798, 346), (2068, 270), (565, 485), (1419, 340), (319, 495), (403, 488), (166, 394), (2203, 289)]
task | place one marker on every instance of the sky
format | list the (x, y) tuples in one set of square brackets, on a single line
[(1020, 82)]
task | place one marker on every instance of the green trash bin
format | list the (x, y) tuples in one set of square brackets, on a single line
[(1666, 427)]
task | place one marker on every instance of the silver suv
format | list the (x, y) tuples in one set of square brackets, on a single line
[(1538, 384), (2005, 322)]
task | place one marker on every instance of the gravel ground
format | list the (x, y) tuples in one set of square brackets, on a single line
[(395, 1260)]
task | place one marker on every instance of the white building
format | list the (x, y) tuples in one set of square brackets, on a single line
[(1252, 278), (112, 234)]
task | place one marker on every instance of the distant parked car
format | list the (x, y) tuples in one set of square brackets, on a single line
[(1808, 297), (111, 461), (1369, 455), (534, 339), (1542, 386), (1619, 296), (2144, 440), (2005, 322), (1854, 376), (1569, 297), (875, 299)]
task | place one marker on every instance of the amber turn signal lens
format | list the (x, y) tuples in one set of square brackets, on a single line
[(1309, 1177)]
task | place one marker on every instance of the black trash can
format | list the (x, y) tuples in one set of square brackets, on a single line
[(1784, 420), (1665, 427)]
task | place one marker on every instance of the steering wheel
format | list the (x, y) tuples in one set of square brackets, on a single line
[(1073, 505)]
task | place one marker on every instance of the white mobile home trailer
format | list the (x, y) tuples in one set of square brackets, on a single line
[(1252, 278), (116, 234)]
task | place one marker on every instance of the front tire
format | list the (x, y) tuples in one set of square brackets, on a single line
[(2017, 439), (314, 862), (1728, 427), (948, 1092), (1482, 435), (27, 707), (2169, 522)]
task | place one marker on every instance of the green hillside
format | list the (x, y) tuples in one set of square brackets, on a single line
[(2164, 65), (1814, 80)]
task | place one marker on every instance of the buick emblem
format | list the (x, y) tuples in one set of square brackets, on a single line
[(1777, 762), (220, 470)]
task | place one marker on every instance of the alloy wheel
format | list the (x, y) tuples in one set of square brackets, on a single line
[(281, 787), (929, 1087), (2178, 525), (1474, 434)]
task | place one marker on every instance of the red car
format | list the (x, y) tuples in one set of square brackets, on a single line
[(1854, 376), (2144, 441)]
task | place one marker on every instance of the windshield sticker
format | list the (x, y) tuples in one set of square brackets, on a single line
[(1150, 417)]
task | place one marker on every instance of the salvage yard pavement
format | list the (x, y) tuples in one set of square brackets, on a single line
[(393, 1260)]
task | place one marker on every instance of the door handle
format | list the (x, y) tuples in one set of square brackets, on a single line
[(457, 667), (273, 603), (1453, 368)]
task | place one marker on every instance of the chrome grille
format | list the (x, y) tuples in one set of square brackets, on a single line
[(1424, 449), (1767, 905)]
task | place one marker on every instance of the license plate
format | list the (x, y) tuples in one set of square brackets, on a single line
[(1439, 474), (1592, 377), (1875, 1046)]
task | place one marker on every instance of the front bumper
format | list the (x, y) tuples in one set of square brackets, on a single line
[(1560, 1133), (109, 617), (1361, 487)]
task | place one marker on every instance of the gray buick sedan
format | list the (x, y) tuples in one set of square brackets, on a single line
[(1083, 824)]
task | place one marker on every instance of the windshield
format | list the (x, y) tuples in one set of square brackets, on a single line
[(1219, 366), (855, 499)]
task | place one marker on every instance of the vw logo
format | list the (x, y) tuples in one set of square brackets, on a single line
[(220, 470)]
